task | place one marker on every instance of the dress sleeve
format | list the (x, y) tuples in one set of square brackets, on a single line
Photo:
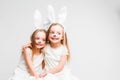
[(65, 51)]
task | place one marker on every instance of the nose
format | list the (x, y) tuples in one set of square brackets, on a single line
[(54, 35), (40, 41)]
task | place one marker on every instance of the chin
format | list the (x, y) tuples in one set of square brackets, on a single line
[(55, 41), (39, 47)]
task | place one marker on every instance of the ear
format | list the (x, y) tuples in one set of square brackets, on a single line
[(62, 15), (51, 13), (37, 19)]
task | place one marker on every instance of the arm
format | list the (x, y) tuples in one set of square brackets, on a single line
[(28, 61), (58, 68)]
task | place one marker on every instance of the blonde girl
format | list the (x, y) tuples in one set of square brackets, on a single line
[(57, 54), (30, 64)]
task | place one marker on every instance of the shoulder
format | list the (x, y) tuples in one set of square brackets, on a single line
[(64, 50), (28, 51), (46, 47)]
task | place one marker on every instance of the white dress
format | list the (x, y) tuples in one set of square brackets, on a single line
[(22, 72), (52, 59)]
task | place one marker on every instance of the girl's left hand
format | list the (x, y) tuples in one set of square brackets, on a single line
[(42, 75), (25, 46)]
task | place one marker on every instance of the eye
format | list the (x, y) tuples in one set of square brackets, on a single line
[(58, 33), (37, 38), (52, 32)]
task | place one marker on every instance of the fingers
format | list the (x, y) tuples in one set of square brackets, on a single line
[(24, 47)]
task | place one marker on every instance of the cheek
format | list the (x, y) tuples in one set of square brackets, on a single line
[(61, 36), (36, 41), (50, 35), (44, 42)]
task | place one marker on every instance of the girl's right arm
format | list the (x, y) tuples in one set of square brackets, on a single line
[(28, 60), (58, 68)]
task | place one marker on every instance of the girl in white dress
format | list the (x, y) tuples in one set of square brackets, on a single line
[(57, 54), (30, 64)]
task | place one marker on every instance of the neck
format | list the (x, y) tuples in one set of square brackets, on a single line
[(36, 51), (55, 45)]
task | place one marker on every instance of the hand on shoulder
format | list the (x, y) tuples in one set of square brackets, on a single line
[(26, 47), (27, 51)]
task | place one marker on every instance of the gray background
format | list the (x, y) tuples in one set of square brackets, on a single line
[(93, 28)]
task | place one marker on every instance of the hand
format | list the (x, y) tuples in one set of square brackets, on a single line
[(26, 46), (37, 77), (42, 75)]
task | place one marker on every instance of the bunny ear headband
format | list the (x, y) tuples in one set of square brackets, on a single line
[(37, 19), (52, 18)]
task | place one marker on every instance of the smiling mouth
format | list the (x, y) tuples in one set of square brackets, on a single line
[(39, 44), (54, 38)]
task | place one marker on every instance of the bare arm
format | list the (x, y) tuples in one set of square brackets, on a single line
[(28, 61), (58, 68)]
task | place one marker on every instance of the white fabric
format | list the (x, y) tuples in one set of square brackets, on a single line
[(52, 59), (22, 73)]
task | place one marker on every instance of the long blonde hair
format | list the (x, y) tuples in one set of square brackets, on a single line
[(64, 41), (32, 38)]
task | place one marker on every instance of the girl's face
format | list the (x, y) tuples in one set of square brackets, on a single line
[(40, 39), (55, 34)]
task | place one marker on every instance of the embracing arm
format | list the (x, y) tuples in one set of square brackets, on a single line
[(58, 68)]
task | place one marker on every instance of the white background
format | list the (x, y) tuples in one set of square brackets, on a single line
[(93, 28)]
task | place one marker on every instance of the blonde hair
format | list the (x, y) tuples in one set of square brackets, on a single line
[(64, 41), (32, 38)]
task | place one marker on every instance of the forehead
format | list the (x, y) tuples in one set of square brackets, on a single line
[(57, 28), (40, 34)]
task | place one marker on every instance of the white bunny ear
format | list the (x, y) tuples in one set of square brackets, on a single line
[(51, 13), (62, 15), (37, 19)]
